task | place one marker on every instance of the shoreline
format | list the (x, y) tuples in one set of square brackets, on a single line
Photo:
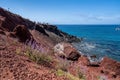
[(92, 46)]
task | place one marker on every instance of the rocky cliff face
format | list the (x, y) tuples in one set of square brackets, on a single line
[(65, 37)]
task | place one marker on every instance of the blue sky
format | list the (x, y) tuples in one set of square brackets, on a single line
[(66, 11)]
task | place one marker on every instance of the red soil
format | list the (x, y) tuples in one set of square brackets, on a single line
[(20, 67)]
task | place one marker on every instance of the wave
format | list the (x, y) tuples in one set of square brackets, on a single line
[(99, 48)]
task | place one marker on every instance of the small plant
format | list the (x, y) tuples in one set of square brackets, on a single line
[(81, 75), (18, 51), (39, 58), (63, 64), (60, 72), (28, 52)]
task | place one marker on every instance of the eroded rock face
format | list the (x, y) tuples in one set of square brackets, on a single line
[(53, 29), (40, 29), (22, 33), (65, 36), (110, 67), (66, 50)]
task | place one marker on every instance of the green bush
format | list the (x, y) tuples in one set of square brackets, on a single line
[(39, 58), (43, 58)]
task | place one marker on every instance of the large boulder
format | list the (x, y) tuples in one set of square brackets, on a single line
[(22, 33), (66, 50), (71, 52)]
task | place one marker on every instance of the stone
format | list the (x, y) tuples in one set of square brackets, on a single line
[(22, 33), (66, 50)]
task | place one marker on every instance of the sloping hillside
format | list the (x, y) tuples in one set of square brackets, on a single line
[(8, 22), (14, 65), (35, 51), (26, 48)]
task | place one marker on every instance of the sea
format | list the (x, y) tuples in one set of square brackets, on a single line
[(99, 40)]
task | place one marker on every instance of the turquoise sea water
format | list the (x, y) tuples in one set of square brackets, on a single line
[(101, 40)]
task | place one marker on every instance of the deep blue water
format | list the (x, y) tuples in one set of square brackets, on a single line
[(101, 40)]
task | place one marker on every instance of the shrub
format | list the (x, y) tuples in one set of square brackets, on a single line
[(63, 64), (60, 72), (18, 51), (39, 58), (43, 58), (28, 52)]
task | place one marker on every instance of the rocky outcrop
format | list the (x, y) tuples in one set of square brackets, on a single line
[(65, 37), (71, 52), (22, 33), (110, 67), (41, 29), (66, 50), (53, 29)]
